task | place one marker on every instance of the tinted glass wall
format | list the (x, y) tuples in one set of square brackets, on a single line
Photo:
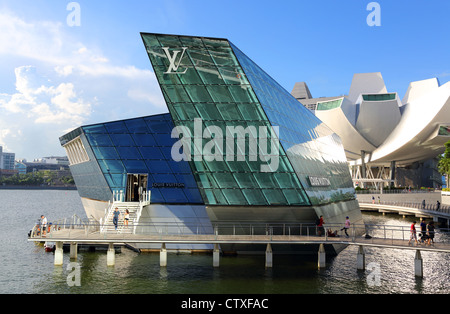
[(206, 89), (315, 152), (142, 146)]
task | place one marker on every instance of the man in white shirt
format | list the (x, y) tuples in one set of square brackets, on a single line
[(43, 225)]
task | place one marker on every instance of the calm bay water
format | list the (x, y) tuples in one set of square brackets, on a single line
[(26, 268)]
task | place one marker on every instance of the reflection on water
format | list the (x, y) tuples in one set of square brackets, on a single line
[(27, 268)]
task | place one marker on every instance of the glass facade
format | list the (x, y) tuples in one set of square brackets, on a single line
[(313, 150), (143, 146), (203, 82), (328, 105)]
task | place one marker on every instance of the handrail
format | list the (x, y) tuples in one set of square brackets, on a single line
[(293, 231), (444, 209)]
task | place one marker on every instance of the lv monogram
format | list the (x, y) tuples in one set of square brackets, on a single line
[(174, 65)]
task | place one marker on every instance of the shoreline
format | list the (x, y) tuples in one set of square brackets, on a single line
[(37, 187)]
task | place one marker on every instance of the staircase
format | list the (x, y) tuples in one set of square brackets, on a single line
[(134, 208)]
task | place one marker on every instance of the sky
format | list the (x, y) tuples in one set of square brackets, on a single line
[(64, 64)]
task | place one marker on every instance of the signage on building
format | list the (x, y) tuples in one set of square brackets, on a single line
[(319, 181), (172, 57), (157, 185)]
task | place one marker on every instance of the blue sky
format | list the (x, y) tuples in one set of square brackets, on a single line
[(54, 77)]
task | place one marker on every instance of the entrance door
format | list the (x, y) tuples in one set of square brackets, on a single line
[(136, 185)]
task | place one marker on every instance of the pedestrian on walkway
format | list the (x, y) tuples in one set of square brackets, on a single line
[(320, 228), (413, 234), (423, 231), (430, 232), (116, 217), (346, 226)]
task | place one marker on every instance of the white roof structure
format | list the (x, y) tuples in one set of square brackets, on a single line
[(388, 129)]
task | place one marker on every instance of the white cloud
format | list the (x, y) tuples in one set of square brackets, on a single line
[(69, 84)]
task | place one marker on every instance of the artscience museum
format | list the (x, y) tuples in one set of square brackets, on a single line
[(235, 147)]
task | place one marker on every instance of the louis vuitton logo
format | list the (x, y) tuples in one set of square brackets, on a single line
[(174, 65)]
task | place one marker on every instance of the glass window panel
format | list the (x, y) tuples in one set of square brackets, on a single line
[(158, 166), (116, 127), (254, 197), (176, 93), (295, 197), (135, 166), (210, 75), (190, 77), (173, 195), (186, 111), (164, 139), (143, 139), (99, 139), (208, 111), (225, 180), (207, 180), (111, 166), (233, 76), (229, 111), (179, 167), (129, 153), (158, 126), (105, 152), (164, 178), (242, 94), (250, 111), (224, 57), (187, 179), (246, 180), (151, 152), (220, 93), (116, 180), (198, 93), (234, 196), (137, 126), (193, 196), (122, 139), (156, 196), (274, 196)]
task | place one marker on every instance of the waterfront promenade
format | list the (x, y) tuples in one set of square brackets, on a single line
[(268, 236)]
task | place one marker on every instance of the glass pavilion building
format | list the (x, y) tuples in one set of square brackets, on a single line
[(234, 147)]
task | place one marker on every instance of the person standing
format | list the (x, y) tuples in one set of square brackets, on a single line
[(116, 218), (413, 233), (320, 228), (44, 225), (346, 226), (126, 217)]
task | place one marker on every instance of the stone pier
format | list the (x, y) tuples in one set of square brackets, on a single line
[(111, 255), (163, 256), (321, 263), (269, 256)]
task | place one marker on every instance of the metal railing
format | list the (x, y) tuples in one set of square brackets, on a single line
[(445, 209), (257, 231)]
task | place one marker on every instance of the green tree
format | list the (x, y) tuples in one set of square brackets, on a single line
[(444, 162)]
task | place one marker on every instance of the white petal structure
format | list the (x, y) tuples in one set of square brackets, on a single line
[(378, 128)]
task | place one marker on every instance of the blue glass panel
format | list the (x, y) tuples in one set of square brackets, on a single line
[(99, 139), (122, 139), (156, 196), (137, 126), (151, 153), (116, 127), (158, 166), (105, 152), (193, 195), (135, 166), (129, 153), (99, 128), (144, 139), (111, 166), (173, 195)]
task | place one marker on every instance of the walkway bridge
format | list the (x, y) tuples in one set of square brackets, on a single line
[(269, 235)]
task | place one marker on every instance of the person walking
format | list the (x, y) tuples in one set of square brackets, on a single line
[(430, 232), (116, 218), (346, 226), (423, 231), (413, 234), (126, 217)]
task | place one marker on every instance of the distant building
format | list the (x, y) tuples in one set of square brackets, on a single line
[(6, 160)]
